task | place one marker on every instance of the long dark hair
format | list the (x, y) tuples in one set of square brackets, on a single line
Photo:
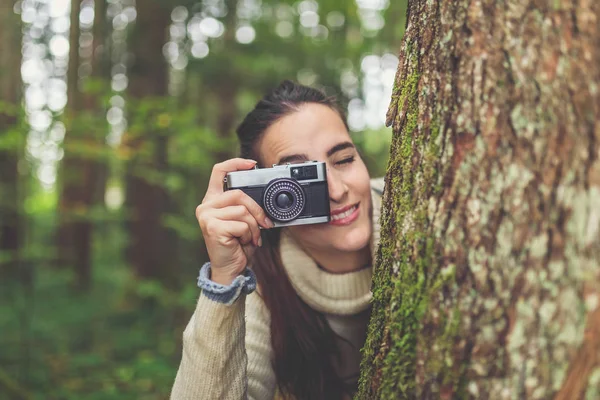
[(304, 344)]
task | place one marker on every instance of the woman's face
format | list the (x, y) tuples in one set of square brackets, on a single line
[(316, 132)]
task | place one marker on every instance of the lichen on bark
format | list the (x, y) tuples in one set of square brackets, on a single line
[(487, 278)]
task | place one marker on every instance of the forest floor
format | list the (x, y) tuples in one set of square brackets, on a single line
[(119, 340)]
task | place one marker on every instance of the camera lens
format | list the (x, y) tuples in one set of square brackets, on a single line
[(283, 199)]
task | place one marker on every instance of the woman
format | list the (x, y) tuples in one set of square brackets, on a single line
[(299, 335)]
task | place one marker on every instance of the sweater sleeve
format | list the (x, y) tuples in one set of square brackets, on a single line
[(223, 357), (261, 376)]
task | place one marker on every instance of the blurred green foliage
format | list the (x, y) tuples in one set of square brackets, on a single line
[(121, 339)]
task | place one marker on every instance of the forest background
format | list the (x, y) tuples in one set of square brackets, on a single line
[(112, 113)]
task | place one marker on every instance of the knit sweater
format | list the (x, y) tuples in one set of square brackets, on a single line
[(227, 351)]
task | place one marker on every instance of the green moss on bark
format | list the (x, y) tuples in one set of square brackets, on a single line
[(398, 285)]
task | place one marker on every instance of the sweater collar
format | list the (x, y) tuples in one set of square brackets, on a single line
[(342, 294)]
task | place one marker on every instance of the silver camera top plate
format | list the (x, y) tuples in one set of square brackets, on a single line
[(262, 176)]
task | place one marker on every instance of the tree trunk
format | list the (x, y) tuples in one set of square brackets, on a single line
[(100, 75), (487, 280), (146, 196), (11, 139), (227, 88), (82, 171)]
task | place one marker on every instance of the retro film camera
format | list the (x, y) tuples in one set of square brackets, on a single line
[(290, 194)]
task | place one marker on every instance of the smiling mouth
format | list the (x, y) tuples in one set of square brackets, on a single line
[(345, 214)]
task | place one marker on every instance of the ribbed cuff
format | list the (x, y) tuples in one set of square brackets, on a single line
[(245, 283)]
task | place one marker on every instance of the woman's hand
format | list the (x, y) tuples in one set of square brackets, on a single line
[(230, 223)]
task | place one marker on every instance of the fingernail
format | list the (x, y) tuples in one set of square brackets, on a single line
[(269, 223), (255, 162), (259, 242)]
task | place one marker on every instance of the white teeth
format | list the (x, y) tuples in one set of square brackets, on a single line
[(343, 215)]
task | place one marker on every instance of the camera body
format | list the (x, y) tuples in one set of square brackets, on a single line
[(290, 194)]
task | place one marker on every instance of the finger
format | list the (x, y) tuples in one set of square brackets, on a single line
[(225, 232), (236, 197), (237, 229), (220, 170), (239, 213)]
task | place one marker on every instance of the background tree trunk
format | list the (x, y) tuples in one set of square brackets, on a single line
[(82, 172), (70, 175), (11, 139), (146, 198), (100, 76), (487, 281), (226, 87)]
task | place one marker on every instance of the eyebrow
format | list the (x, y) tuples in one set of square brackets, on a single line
[(304, 157)]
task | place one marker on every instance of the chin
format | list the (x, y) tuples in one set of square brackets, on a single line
[(354, 240)]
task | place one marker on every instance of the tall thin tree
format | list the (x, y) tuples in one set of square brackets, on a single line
[(82, 171), (11, 139), (146, 197), (487, 283)]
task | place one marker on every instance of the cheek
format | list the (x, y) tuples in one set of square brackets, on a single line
[(361, 183), (360, 175)]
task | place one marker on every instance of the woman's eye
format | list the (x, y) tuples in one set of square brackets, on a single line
[(345, 161)]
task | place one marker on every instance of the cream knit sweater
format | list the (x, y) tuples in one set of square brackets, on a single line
[(227, 349)]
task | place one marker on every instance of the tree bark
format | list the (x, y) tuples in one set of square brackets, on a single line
[(227, 85), (487, 280), (147, 198), (82, 170), (100, 75), (11, 138)]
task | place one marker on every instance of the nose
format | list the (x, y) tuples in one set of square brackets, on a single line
[(338, 189)]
